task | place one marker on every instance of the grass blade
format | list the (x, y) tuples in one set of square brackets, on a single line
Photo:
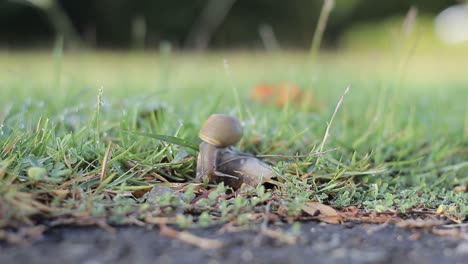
[(170, 139)]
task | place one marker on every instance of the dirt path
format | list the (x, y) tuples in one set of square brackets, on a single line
[(319, 243)]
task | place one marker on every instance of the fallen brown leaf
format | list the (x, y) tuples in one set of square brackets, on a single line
[(141, 192), (184, 236), (322, 212)]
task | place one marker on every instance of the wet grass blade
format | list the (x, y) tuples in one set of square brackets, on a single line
[(170, 139)]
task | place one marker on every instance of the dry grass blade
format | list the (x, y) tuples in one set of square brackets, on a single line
[(78, 180), (184, 236), (83, 221), (104, 162), (327, 131), (322, 23), (10, 146), (160, 220), (410, 20)]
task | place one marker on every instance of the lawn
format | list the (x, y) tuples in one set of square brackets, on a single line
[(397, 147)]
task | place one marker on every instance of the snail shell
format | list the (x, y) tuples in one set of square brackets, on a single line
[(236, 168), (231, 167), (221, 130)]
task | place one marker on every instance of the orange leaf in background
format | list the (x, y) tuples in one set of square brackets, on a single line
[(283, 93), (323, 212), (262, 92), (288, 92)]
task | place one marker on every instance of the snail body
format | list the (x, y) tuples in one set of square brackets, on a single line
[(206, 161), (219, 163)]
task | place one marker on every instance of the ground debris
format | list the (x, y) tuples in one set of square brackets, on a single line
[(457, 233), (280, 236), (184, 236), (22, 235), (353, 213), (83, 221), (420, 223)]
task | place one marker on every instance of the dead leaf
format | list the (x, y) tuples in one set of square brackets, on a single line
[(322, 212), (419, 223), (282, 211), (141, 192), (184, 236)]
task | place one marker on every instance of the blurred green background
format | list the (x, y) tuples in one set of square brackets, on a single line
[(204, 24)]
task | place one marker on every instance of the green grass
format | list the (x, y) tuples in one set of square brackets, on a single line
[(398, 142)]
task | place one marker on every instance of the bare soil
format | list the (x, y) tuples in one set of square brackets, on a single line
[(318, 243)]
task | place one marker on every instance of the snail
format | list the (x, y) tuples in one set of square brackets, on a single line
[(219, 162), (221, 130)]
